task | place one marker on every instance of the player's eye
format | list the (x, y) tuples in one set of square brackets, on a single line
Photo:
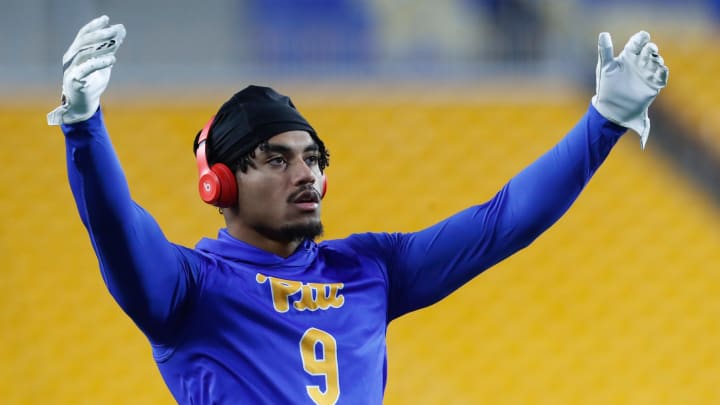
[(312, 160), (276, 161)]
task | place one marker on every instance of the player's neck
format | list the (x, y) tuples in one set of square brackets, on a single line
[(282, 249)]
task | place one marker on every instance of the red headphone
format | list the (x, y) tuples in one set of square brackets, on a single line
[(217, 185)]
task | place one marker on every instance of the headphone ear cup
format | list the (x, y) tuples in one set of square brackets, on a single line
[(324, 186), (228, 194), (209, 187)]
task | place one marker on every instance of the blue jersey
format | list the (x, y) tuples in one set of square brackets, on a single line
[(230, 323)]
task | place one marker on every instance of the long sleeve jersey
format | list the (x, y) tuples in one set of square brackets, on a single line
[(230, 323)]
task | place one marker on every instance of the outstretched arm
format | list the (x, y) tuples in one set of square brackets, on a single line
[(425, 266), (146, 274)]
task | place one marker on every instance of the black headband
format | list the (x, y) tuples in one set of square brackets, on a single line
[(248, 118)]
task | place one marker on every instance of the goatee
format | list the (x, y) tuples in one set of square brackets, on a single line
[(293, 232)]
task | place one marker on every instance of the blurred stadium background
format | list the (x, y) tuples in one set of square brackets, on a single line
[(427, 107)]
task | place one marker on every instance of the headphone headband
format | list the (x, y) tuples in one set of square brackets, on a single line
[(201, 151)]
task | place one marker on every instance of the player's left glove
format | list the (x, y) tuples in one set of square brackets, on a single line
[(626, 85), (86, 70)]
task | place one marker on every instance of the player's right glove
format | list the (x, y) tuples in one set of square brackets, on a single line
[(86, 70), (626, 85)]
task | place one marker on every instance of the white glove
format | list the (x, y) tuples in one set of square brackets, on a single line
[(86, 70), (626, 85)]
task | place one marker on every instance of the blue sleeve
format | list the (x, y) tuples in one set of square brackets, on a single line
[(148, 276), (423, 267)]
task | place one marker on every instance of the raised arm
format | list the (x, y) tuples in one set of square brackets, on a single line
[(147, 275), (425, 266)]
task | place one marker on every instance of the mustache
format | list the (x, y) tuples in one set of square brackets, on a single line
[(303, 190)]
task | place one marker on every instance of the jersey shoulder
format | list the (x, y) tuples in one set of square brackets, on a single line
[(367, 244)]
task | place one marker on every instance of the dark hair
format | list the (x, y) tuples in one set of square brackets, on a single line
[(246, 160)]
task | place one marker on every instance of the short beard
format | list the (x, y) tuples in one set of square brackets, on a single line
[(292, 233)]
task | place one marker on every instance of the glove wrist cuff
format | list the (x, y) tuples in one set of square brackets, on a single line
[(55, 117), (64, 114), (640, 123)]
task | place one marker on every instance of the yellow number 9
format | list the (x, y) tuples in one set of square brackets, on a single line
[(324, 365)]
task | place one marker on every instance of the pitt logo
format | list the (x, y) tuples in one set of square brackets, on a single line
[(313, 296)]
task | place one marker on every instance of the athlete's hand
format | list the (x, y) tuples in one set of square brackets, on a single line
[(86, 70), (626, 85)]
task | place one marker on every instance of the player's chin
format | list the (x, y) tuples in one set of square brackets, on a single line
[(310, 221), (299, 230)]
